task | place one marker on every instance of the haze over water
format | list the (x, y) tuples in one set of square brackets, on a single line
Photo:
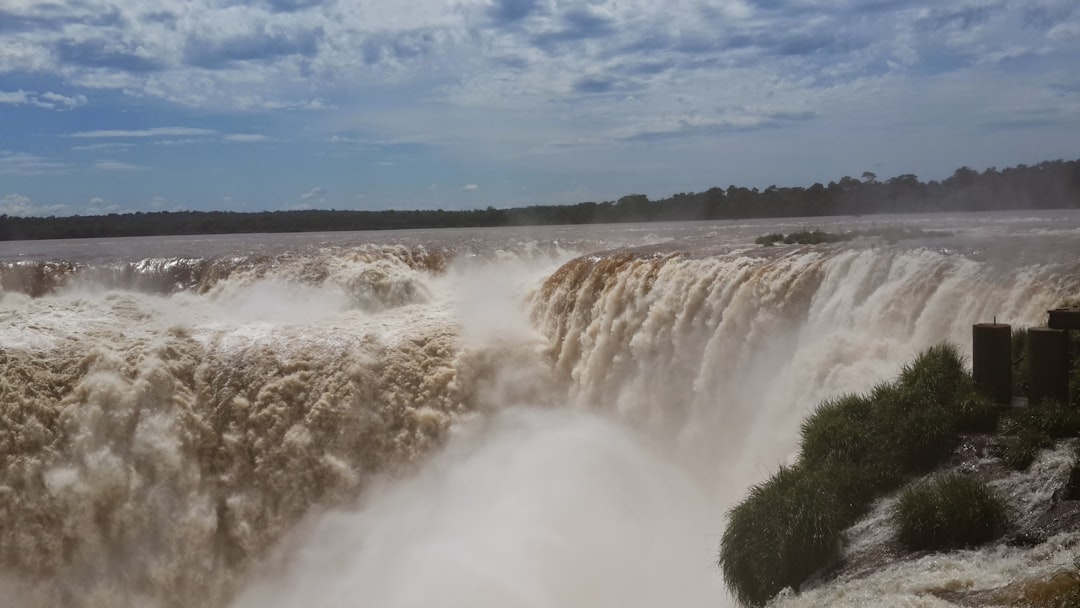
[(555, 416)]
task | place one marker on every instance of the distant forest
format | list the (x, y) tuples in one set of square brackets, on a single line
[(1047, 185)]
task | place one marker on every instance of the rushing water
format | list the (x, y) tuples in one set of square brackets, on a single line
[(539, 417)]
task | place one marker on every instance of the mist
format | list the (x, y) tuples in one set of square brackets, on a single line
[(533, 507)]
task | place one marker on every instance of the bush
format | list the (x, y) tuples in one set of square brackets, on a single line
[(788, 528), (938, 373), (852, 449), (978, 414), (839, 429), (1049, 417), (1022, 449), (949, 513), (916, 430), (1034, 428)]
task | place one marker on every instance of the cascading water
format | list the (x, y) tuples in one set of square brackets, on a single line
[(387, 424)]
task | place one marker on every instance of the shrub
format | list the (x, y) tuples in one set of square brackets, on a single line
[(949, 513), (1021, 450), (916, 431), (852, 449), (977, 414), (787, 528), (839, 429), (1034, 428), (769, 239), (1049, 417), (938, 373)]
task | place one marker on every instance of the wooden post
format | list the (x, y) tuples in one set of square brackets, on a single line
[(991, 360), (1048, 365)]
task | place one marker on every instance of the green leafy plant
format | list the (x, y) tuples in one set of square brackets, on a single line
[(853, 448), (787, 529), (950, 512)]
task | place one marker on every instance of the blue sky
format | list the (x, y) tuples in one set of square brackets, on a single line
[(126, 105)]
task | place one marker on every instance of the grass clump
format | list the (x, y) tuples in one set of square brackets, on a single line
[(1021, 450), (950, 512), (853, 448), (785, 531), (1049, 417), (1034, 428)]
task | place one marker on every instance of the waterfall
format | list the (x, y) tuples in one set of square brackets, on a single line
[(388, 425)]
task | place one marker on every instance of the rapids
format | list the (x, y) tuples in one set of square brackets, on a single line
[(543, 417)]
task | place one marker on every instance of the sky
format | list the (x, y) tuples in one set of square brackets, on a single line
[(115, 106)]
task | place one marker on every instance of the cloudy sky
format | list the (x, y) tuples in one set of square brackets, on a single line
[(127, 105)]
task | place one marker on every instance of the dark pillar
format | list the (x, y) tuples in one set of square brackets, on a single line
[(991, 360), (1048, 364), (1063, 318)]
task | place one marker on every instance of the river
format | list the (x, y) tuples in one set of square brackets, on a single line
[(550, 416)]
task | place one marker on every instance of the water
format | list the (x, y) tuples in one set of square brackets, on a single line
[(549, 416)]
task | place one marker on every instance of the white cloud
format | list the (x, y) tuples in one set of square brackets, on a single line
[(99, 206), (523, 81), (1064, 31), (21, 206), (316, 193), (246, 138), (48, 100), (55, 100), (180, 142), (139, 133), (112, 165), (14, 97), (119, 147), (21, 163), (471, 188)]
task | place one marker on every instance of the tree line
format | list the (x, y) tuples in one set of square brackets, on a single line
[(1047, 185)]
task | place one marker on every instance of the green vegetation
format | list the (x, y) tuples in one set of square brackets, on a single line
[(1050, 184), (786, 530), (853, 448), (1022, 448), (1034, 428), (1049, 417), (950, 512), (806, 237), (815, 237)]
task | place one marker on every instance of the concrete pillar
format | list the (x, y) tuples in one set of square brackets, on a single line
[(991, 360), (1063, 318), (1048, 364)]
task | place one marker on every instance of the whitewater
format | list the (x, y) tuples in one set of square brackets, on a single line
[(543, 417)]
